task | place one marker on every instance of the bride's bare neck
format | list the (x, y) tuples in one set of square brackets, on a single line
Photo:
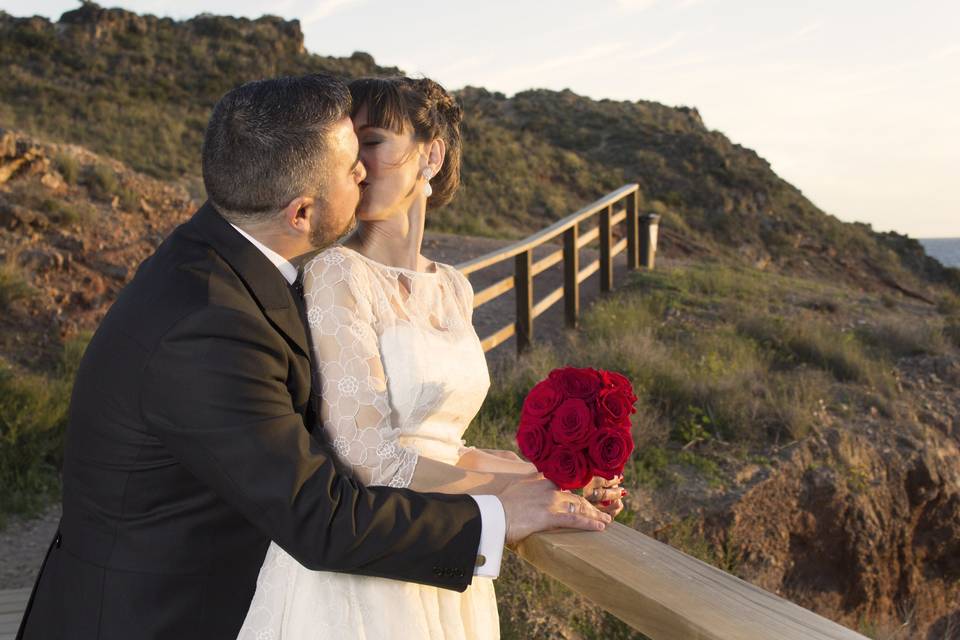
[(395, 240)]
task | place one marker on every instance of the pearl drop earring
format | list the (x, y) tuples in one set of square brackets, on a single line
[(427, 175)]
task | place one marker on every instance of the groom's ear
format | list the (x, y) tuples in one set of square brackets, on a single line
[(297, 214)]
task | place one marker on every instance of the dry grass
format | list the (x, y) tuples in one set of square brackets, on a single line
[(13, 284)]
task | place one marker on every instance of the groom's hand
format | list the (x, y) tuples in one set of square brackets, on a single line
[(535, 504)]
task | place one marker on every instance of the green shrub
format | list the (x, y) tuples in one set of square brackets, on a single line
[(949, 304), (67, 213), (102, 182), (791, 401), (687, 534), (951, 331), (706, 467), (800, 341), (68, 167), (104, 185), (648, 467), (33, 414), (13, 285), (831, 350), (694, 427), (901, 338)]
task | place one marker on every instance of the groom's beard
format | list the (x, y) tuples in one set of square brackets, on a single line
[(351, 227), (321, 238)]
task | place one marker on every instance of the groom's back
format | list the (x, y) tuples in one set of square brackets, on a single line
[(145, 549)]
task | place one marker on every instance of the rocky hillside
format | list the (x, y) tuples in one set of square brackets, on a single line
[(139, 89), (73, 228)]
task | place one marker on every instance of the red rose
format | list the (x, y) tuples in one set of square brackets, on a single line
[(619, 382), (542, 399), (533, 441), (614, 407), (577, 383), (572, 423), (609, 450), (567, 468)]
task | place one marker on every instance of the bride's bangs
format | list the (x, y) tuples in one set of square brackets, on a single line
[(383, 100)]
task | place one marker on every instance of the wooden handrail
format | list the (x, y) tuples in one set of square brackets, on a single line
[(545, 235), (668, 595), (526, 269)]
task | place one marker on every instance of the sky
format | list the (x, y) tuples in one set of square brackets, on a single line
[(853, 102)]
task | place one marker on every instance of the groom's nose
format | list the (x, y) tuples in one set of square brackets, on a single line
[(362, 173)]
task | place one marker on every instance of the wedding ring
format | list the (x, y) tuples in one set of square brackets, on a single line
[(571, 507), (597, 491)]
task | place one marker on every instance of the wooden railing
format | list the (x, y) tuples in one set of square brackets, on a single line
[(666, 594), (639, 241)]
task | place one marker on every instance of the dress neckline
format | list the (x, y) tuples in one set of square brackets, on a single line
[(412, 272)]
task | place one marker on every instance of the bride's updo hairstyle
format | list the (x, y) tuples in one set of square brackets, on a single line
[(428, 109)]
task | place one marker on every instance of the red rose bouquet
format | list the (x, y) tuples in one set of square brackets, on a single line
[(576, 424)]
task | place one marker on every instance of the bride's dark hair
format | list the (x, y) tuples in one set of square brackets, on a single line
[(431, 112)]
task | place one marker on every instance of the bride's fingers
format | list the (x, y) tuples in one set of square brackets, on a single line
[(608, 495), (618, 480), (612, 508)]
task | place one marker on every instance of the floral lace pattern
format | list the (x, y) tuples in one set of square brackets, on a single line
[(400, 373)]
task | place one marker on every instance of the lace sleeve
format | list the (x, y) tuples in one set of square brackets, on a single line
[(354, 402)]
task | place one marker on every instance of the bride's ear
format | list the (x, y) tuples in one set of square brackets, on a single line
[(436, 152)]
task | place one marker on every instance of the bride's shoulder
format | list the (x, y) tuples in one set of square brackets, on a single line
[(333, 264), (453, 273), (461, 285)]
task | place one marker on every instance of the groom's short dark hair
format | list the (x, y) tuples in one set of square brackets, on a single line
[(265, 143)]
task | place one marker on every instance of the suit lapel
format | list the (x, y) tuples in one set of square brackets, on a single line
[(265, 282)]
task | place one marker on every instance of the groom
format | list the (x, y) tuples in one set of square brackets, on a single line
[(189, 444)]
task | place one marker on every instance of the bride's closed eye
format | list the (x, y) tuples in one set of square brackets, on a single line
[(369, 141)]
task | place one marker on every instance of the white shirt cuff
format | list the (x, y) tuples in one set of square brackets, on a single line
[(493, 533)]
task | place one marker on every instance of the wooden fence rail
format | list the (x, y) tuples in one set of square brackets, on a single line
[(668, 595), (639, 241)]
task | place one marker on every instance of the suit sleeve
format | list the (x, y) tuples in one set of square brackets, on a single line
[(214, 391)]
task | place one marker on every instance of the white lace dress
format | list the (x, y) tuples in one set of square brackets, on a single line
[(401, 374)]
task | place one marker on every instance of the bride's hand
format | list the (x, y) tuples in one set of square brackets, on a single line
[(506, 455), (495, 461), (605, 495)]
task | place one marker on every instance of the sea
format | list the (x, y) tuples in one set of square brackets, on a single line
[(946, 250)]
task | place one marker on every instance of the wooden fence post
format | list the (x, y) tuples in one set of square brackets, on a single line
[(633, 230), (523, 284), (648, 239), (571, 271), (606, 241)]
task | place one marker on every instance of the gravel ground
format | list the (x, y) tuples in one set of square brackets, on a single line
[(24, 542)]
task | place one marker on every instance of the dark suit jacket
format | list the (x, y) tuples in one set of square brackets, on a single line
[(187, 452)]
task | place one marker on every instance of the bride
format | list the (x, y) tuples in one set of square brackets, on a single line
[(401, 373)]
